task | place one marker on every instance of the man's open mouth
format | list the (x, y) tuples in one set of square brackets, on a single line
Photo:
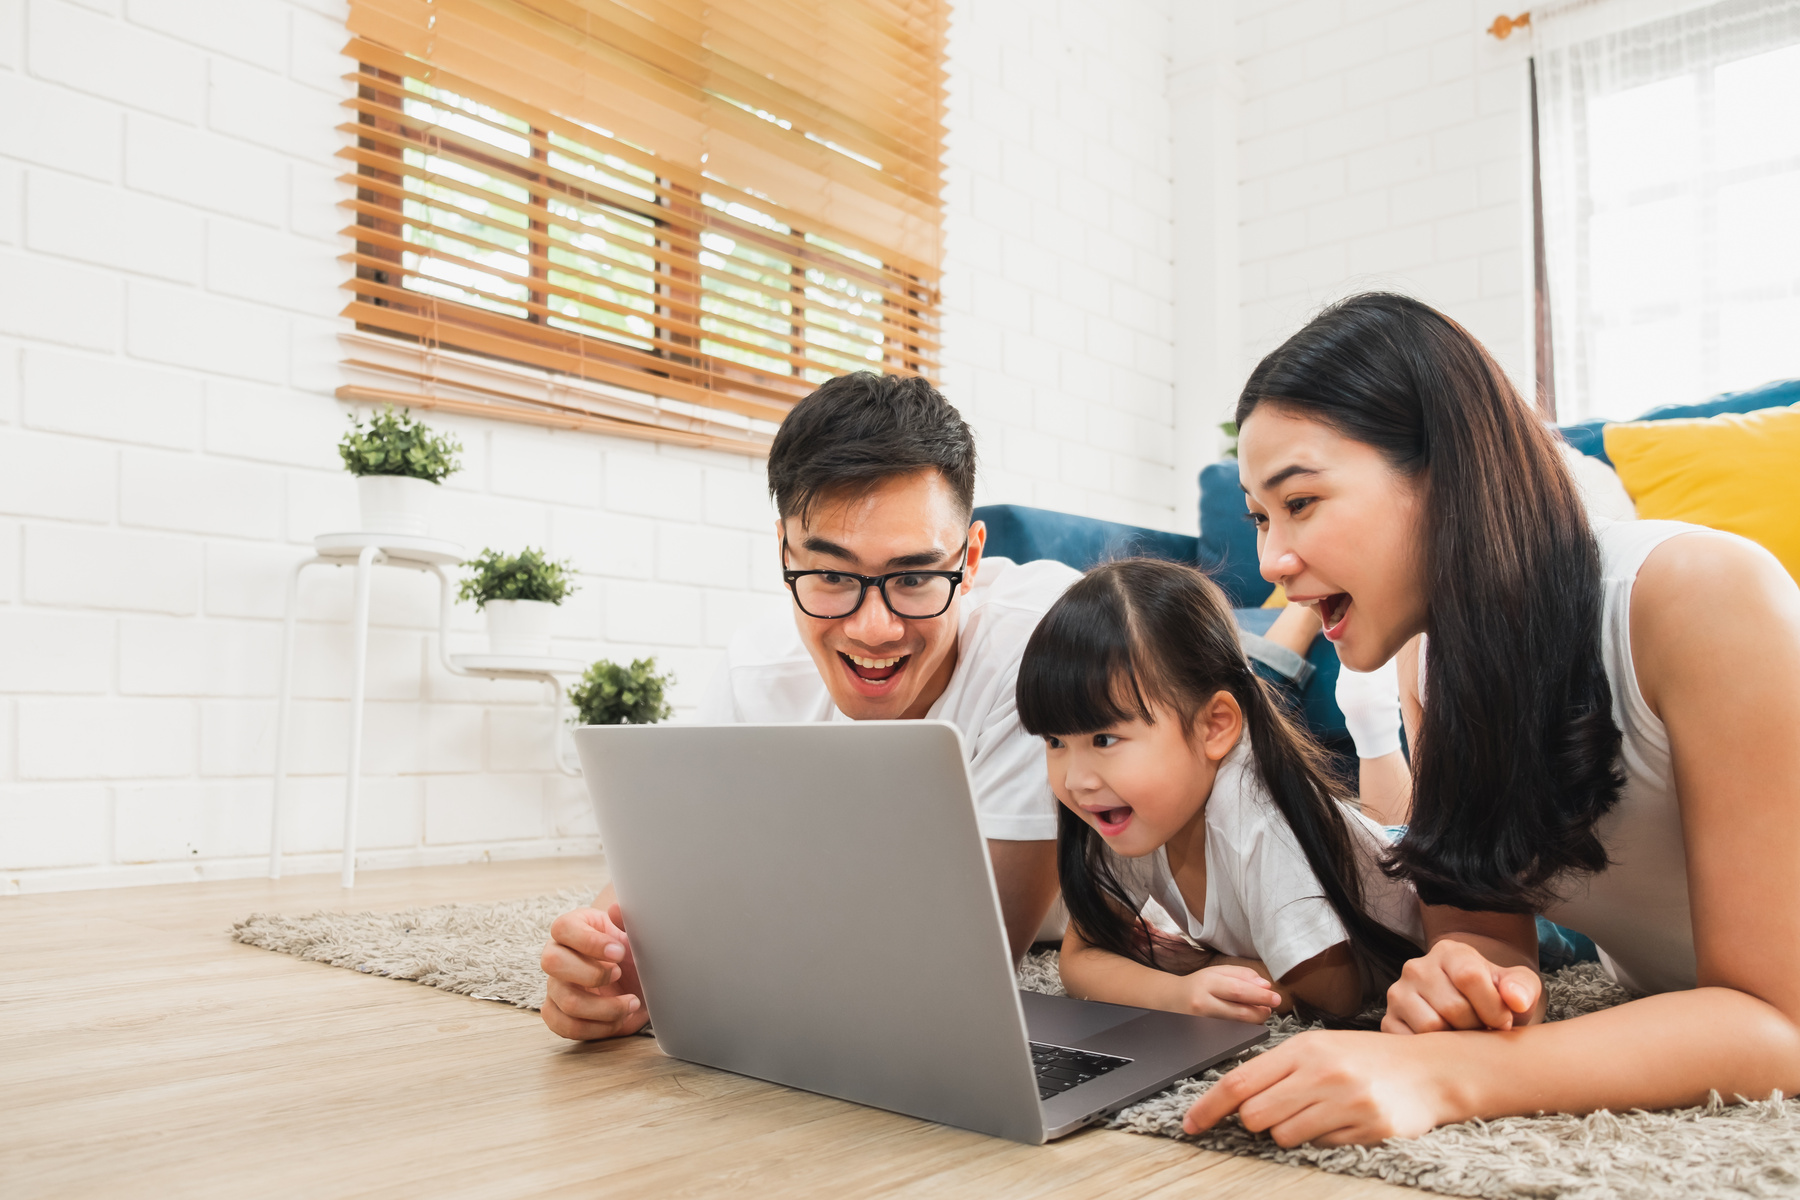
[(874, 670)]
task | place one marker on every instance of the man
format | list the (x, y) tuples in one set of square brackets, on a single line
[(895, 617)]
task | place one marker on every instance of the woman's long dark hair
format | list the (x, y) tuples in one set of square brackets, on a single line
[(1141, 632), (1516, 756)]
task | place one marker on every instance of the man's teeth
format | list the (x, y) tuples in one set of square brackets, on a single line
[(873, 664)]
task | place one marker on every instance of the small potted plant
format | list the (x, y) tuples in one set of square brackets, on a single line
[(609, 694), (398, 463), (517, 593)]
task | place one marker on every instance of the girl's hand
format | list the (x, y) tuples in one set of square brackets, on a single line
[(1333, 1088), (1232, 993), (1454, 986)]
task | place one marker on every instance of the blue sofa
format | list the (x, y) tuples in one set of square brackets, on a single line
[(1226, 547)]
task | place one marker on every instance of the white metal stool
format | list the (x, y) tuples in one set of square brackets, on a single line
[(365, 551)]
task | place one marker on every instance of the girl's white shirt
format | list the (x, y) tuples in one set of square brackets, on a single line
[(1262, 899)]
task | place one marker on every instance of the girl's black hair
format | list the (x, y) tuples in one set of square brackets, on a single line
[(1516, 758), (1140, 632)]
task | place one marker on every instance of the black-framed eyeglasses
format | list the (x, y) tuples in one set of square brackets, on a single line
[(909, 595)]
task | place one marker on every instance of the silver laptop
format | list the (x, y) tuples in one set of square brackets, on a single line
[(813, 905)]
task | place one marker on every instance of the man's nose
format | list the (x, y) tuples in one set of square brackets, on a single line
[(1274, 559), (874, 623)]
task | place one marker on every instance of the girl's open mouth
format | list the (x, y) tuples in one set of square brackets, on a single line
[(1112, 821), (1333, 611)]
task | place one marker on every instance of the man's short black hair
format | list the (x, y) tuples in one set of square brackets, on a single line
[(861, 428)]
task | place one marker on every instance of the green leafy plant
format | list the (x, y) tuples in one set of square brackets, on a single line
[(527, 575), (609, 694), (395, 443), (1230, 430)]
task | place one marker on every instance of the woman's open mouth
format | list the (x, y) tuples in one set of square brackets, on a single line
[(1334, 610), (874, 673), (1111, 821)]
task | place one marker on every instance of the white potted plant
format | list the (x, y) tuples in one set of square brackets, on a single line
[(398, 463), (518, 593)]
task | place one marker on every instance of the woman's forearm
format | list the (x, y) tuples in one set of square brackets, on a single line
[(1663, 1051)]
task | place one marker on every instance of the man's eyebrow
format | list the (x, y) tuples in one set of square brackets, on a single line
[(900, 562), (1282, 476)]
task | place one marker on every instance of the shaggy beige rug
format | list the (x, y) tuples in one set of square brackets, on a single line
[(490, 951)]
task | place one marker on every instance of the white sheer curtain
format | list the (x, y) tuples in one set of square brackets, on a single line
[(1670, 141)]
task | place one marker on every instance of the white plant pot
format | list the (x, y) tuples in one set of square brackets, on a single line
[(519, 626), (396, 504)]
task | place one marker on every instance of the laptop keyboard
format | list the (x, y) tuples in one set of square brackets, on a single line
[(1060, 1068)]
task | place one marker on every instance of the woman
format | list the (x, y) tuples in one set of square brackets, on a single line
[(1605, 726)]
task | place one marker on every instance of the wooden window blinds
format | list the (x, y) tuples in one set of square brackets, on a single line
[(678, 216)]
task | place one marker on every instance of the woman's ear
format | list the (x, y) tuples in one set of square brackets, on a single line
[(1219, 724)]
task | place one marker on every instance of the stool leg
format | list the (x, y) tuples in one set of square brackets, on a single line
[(283, 697), (359, 625)]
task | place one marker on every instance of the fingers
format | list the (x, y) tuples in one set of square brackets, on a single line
[(1239, 1085), (582, 1015), (1245, 991), (1520, 988), (1250, 1014), (616, 916), (590, 933), (560, 962), (1476, 979), (581, 1030)]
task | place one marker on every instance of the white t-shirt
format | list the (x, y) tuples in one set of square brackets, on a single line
[(769, 678), (1262, 899)]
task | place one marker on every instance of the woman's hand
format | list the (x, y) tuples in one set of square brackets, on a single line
[(1232, 993), (1455, 986), (1330, 1087)]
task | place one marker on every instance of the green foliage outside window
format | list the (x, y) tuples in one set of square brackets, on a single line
[(609, 694), (395, 443), (527, 575)]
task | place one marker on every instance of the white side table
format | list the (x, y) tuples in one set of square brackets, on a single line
[(364, 551)]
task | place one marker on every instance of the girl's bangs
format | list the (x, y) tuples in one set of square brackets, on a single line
[(1078, 674)]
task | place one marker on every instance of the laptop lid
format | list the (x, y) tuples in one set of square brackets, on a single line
[(813, 905)]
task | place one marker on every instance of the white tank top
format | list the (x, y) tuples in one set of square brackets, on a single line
[(1637, 909)]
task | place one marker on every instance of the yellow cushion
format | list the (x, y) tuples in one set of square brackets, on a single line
[(1277, 598), (1734, 472)]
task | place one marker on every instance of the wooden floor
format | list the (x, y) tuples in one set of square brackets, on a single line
[(143, 1053)]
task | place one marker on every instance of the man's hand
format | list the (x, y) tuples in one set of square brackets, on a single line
[(1228, 992), (594, 990), (1454, 986)]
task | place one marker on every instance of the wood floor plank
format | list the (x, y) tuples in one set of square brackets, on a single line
[(161, 1058)]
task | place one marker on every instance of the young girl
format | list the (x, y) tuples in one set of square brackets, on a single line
[(1183, 782)]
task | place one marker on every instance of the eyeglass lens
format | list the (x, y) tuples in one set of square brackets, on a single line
[(833, 595)]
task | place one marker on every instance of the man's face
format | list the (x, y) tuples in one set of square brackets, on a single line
[(875, 665)]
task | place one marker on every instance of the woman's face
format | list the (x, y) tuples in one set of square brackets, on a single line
[(1338, 528)]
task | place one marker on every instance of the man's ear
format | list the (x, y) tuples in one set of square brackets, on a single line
[(1219, 724), (977, 543)]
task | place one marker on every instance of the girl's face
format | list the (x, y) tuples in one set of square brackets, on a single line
[(1338, 528), (1142, 783)]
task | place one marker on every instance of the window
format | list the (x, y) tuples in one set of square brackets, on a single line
[(1671, 159), (677, 222)]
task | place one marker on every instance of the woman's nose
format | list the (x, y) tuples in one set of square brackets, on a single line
[(1275, 560)]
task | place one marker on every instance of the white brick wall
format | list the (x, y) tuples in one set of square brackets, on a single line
[(1058, 287), (168, 298), (1384, 144)]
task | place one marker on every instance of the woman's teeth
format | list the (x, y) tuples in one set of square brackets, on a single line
[(1332, 607)]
